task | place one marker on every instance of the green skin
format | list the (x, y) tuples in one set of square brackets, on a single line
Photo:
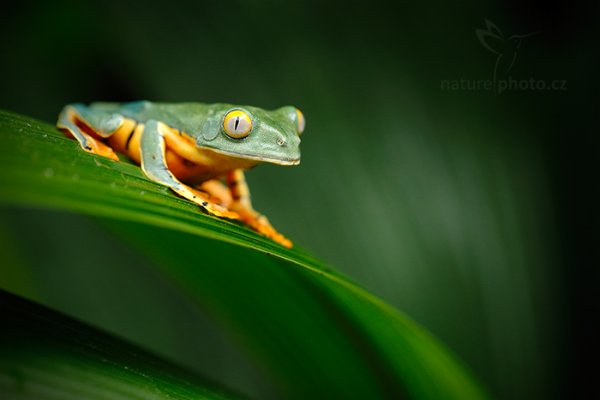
[(274, 137)]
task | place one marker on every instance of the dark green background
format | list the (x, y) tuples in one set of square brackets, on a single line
[(456, 206)]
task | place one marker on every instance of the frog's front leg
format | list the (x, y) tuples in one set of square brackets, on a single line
[(154, 165), (89, 127), (242, 205)]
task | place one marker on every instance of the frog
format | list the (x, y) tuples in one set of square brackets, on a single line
[(201, 151)]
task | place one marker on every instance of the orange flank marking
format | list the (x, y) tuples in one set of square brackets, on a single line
[(118, 139), (126, 139), (185, 146), (182, 168)]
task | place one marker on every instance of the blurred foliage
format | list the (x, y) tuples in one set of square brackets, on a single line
[(444, 203), (48, 356)]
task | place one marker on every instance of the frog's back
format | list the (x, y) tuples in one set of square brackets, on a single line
[(188, 117)]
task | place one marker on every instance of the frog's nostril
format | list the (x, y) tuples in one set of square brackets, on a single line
[(281, 141)]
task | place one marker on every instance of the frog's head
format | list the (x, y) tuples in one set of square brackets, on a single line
[(253, 133)]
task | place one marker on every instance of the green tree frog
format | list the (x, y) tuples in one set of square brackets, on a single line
[(200, 151)]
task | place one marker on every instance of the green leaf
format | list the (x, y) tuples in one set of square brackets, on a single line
[(45, 355), (319, 334)]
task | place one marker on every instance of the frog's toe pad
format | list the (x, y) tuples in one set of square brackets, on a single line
[(216, 210), (221, 212), (261, 225), (102, 150), (92, 145)]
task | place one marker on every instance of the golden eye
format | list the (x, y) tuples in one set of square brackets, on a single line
[(301, 121), (237, 124)]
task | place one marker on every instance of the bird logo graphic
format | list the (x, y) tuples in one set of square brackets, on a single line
[(505, 48)]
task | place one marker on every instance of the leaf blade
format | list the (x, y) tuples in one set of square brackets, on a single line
[(46, 169), (46, 355)]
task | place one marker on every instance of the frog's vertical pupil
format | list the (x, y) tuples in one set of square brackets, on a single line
[(237, 124)]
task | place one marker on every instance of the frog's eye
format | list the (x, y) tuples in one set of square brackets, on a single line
[(300, 121), (237, 124)]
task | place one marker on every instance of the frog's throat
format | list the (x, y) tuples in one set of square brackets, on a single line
[(277, 161)]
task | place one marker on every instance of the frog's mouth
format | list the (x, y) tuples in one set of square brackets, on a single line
[(278, 161)]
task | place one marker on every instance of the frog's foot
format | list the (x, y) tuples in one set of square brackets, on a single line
[(261, 224), (73, 124), (241, 204), (210, 204), (217, 192)]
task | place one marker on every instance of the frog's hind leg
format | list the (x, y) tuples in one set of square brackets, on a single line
[(242, 204), (154, 165), (90, 127)]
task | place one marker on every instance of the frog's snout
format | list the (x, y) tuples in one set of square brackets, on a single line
[(287, 148)]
